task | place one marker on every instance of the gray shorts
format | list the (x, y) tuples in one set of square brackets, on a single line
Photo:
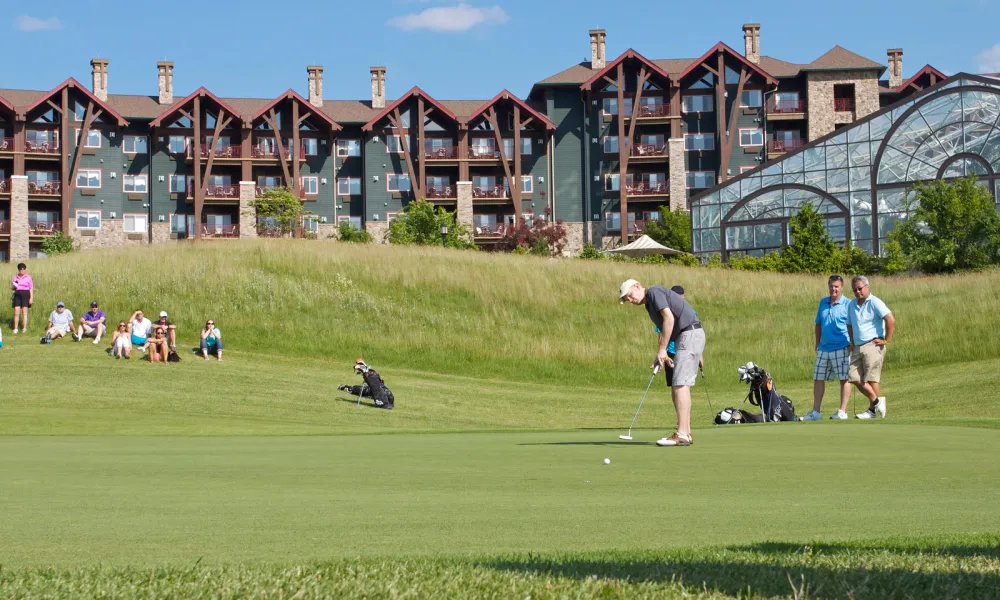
[(690, 345)]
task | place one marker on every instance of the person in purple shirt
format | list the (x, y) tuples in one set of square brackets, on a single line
[(23, 296), (91, 324)]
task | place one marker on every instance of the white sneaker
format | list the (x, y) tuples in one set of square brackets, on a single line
[(676, 439), (868, 414), (97, 341), (813, 415), (839, 415), (15, 331), (880, 406)]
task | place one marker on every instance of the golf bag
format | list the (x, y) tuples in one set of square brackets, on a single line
[(372, 387), (763, 394)]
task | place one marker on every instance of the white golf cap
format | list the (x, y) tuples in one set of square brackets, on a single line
[(163, 313), (624, 289)]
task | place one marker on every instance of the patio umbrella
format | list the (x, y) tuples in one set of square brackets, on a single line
[(644, 246)]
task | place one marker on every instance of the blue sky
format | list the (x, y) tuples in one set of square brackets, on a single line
[(454, 48)]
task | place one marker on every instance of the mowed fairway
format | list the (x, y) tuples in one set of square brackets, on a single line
[(256, 477)]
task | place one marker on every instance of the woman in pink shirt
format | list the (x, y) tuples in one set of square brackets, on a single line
[(23, 297)]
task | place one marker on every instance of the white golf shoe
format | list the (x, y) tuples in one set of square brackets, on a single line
[(676, 439), (838, 416), (880, 406), (868, 414), (813, 415)]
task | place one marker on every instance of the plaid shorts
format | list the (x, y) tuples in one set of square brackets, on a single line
[(832, 366)]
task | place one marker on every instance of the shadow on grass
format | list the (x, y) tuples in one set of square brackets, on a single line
[(608, 443), (864, 570), (354, 401)]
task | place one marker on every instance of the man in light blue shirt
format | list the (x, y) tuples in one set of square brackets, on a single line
[(870, 326), (833, 358)]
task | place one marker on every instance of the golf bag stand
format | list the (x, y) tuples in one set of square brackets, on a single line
[(372, 387), (763, 394)]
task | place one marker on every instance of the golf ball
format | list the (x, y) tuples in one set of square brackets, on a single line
[(607, 461)]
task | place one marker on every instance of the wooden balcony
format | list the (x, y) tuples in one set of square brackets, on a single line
[(6, 145), (260, 190), (441, 193), (227, 231), (43, 228), (42, 149), (489, 234), (484, 153), (50, 189), (648, 152), (778, 147), (218, 194), (222, 153), (4, 228), (4, 187), (259, 152), (440, 154), (786, 110), (647, 189), (650, 111), (489, 194)]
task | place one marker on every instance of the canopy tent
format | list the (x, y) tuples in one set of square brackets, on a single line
[(645, 246)]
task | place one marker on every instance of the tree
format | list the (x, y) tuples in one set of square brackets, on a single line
[(673, 230), (952, 226), (350, 233), (540, 237), (57, 243), (276, 212), (811, 250), (420, 224)]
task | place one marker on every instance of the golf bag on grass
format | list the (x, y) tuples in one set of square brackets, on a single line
[(762, 393), (373, 386)]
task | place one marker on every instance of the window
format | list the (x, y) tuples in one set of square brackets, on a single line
[(389, 216), (135, 223), (484, 183), (220, 144), (41, 178), (611, 106), (751, 137), (79, 111), (745, 169), (787, 102), (310, 185), (42, 138), (614, 219), (652, 180), (699, 141), (527, 184), (484, 221), (178, 184), (134, 144), (612, 182), (310, 146), (483, 148), (93, 138), (397, 182), (346, 148), (354, 221), (348, 186), (526, 146), (310, 223), (268, 181), (700, 179), (135, 184), (88, 219), (751, 99), (177, 144), (88, 178), (611, 144), (393, 145), (438, 186), (181, 223), (698, 103)]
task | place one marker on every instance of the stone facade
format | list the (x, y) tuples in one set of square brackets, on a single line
[(895, 56), (166, 82), (378, 87), (678, 174), (576, 237), (18, 218), (326, 231), (464, 204), (751, 42), (379, 231), (823, 117), (99, 76), (161, 233), (248, 225), (111, 234), (598, 45), (315, 85)]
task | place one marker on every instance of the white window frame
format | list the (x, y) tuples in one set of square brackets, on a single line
[(313, 223), (711, 182), (398, 177), (399, 143), (133, 138), (530, 188), (139, 176), (81, 173), (389, 216), (703, 136), (344, 148), (314, 184), (526, 146), (135, 217), (171, 184), (613, 102), (604, 144), (685, 109), (760, 98), (349, 180), (751, 129), (170, 144), (91, 131), (353, 220), (305, 147), (744, 169), (89, 214)]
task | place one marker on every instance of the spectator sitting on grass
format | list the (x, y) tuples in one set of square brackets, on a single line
[(121, 341), (211, 340), (139, 327), (60, 323), (169, 330), (91, 324), (158, 347)]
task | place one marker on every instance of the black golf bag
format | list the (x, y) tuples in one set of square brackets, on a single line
[(763, 394), (373, 386)]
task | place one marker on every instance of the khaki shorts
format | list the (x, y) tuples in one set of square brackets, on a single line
[(89, 330), (866, 363), (690, 346)]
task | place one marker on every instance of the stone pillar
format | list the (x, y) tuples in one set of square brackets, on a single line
[(99, 75), (464, 205), (378, 87), (18, 218), (678, 174), (598, 58), (166, 82), (248, 222), (751, 42), (379, 231), (315, 85), (895, 67)]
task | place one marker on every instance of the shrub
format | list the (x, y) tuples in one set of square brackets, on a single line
[(768, 262), (893, 261), (540, 236), (277, 210), (811, 250), (591, 252), (673, 230), (420, 224), (852, 260), (349, 233), (57, 243)]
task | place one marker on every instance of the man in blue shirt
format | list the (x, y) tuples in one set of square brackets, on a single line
[(870, 324), (833, 358)]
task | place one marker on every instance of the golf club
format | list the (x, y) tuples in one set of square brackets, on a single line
[(707, 397), (656, 369)]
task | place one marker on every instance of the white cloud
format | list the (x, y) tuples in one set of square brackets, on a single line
[(460, 17), (988, 61), (31, 24)]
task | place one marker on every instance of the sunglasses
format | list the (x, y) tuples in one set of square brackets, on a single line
[(210, 323)]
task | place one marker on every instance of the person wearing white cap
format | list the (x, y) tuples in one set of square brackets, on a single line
[(676, 322), (169, 330), (60, 323)]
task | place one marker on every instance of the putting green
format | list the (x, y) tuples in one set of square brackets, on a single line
[(153, 500)]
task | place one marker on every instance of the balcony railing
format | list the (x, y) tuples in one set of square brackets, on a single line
[(226, 190), (494, 192), (4, 227), (786, 145), (786, 106), (274, 231), (646, 189), (843, 104), (47, 188), (50, 147), (441, 153), (483, 152), (271, 152), (228, 151), (648, 111), (4, 186), (6, 144), (229, 230), (36, 227), (491, 230), (260, 190), (441, 192), (659, 149)]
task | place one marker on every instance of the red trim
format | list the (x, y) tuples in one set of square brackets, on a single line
[(506, 95), (73, 83), (926, 70), (415, 91), (630, 53), (293, 95), (7, 105), (720, 46), (198, 92)]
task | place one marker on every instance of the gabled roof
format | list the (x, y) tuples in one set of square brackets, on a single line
[(506, 95), (630, 53), (780, 68), (842, 59), (292, 95), (73, 83), (926, 70), (198, 92), (7, 105), (574, 75), (727, 50), (414, 91)]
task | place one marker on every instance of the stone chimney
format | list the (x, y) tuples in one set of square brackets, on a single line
[(100, 78), (315, 85), (751, 42), (895, 67), (166, 77), (598, 59), (378, 87)]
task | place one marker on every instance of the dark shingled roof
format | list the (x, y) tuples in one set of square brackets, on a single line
[(839, 58), (576, 74), (780, 68)]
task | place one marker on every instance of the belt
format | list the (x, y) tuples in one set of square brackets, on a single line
[(691, 327)]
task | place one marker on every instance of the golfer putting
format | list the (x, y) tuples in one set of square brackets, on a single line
[(676, 322)]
